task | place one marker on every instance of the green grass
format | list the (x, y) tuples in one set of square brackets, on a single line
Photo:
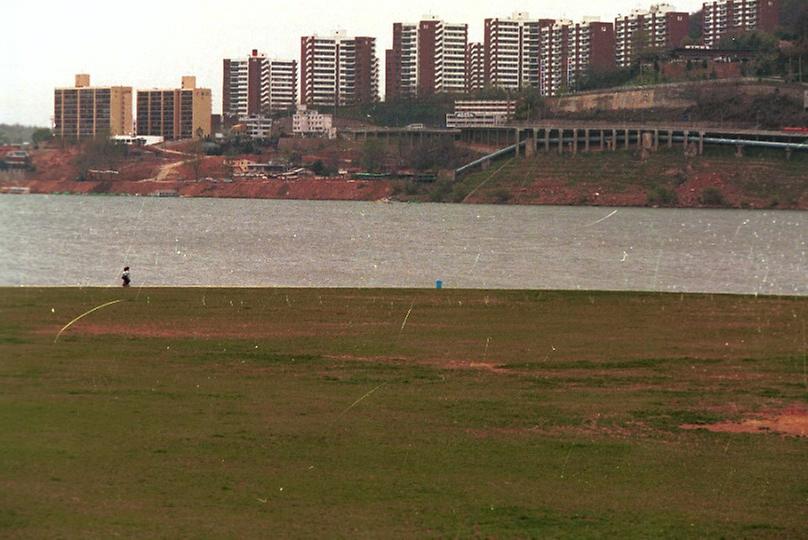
[(314, 413)]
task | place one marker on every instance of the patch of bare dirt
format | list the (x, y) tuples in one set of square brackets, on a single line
[(483, 366), (792, 421)]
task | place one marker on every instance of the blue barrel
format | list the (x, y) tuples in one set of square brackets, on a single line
[(439, 284)]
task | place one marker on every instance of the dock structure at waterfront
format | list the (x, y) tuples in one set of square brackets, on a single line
[(410, 134), (527, 140)]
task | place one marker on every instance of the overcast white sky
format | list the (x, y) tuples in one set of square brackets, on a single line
[(152, 43)]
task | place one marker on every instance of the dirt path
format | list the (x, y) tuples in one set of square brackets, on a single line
[(165, 171)]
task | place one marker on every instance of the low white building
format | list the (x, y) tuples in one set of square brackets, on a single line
[(138, 140), (311, 123), (480, 113), (257, 126)]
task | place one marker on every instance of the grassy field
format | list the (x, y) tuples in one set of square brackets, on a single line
[(398, 413)]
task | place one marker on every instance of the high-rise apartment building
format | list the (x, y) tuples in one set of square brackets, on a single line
[(338, 70), (175, 113), (426, 58), (475, 67), (733, 16), (257, 85), (570, 50), (401, 63), (511, 51), (87, 111), (282, 85), (658, 28)]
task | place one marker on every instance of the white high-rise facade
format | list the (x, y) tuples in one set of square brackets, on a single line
[(338, 70)]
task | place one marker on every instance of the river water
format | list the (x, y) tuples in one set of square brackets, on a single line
[(74, 240)]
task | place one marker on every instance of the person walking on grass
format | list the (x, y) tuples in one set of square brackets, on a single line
[(125, 276)]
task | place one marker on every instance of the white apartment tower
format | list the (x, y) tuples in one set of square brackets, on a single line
[(338, 70), (475, 67), (511, 51), (426, 58), (659, 27), (282, 85), (568, 50), (257, 85)]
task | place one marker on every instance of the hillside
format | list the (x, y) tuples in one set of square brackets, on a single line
[(717, 179)]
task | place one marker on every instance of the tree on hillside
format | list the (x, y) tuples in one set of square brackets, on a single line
[(759, 42), (373, 155), (695, 29), (490, 92), (99, 153), (529, 105), (793, 19), (41, 135), (197, 152)]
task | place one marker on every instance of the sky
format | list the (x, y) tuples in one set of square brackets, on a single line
[(153, 43)]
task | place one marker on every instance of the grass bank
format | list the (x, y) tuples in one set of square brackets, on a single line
[(398, 413), (761, 179)]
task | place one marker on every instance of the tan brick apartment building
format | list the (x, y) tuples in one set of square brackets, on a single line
[(175, 113), (85, 111), (338, 70)]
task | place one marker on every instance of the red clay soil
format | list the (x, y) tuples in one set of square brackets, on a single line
[(337, 189), (320, 189), (791, 421), (59, 165), (689, 194), (148, 173)]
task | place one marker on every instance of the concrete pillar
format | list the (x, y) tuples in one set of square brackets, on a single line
[(685, 143), (530, 144), (516, 137), (788, 154), (627, 139), (586, 142), (560, 141), (547, 139), (602, 139), (614, 140), (701, 143), (647, 140), (575, 141), (738, 150), (656, 140), (670, 138)]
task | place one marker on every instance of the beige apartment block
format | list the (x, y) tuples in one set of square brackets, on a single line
[(85, 111), (175, 113)]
